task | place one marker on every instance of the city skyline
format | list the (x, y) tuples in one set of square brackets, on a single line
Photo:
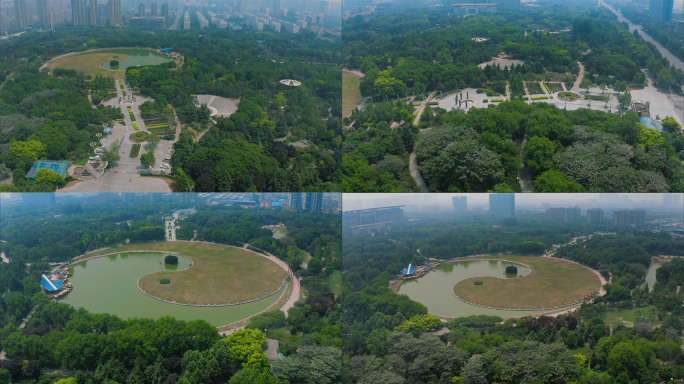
[(540, 201)]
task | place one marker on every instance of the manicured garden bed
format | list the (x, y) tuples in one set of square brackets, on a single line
[(135, 150)]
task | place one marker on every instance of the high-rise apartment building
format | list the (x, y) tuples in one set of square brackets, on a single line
[(295, 201), (373, 220), (660, 10), (79, 12), (114, 12), (502, 204), (43, 17), (628, 218), (595, 216), (242, 5), (22, 16), (568, 215), (92, 13), (141, 10), (153, 9), (314, 202), (165, 12)]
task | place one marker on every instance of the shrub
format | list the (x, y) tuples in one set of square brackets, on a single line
[(164, 281), (485, 101), (139, 136), (135, 150), (478, 282), (511, 270), (567, 96), (171, 259), (497, 100)]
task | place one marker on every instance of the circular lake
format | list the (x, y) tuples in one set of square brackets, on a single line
[(435, 288), (134, 57), (108, 285)]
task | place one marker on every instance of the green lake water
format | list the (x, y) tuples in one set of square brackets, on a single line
[(435, 288), (137, 57), (108, 285)]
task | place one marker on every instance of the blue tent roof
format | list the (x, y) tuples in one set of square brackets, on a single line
[(167, 49), (408, 270), (50, 285)]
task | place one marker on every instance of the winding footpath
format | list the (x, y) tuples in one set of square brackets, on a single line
[(415, 173), (576, 87), (413, 161)]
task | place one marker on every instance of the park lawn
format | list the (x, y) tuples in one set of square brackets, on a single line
[(220, 274), (351, 94), (552, 283), (335, 282), (534, 88), (554, 87), (628, 317)]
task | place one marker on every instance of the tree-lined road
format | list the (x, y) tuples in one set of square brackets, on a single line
[(632, 27)]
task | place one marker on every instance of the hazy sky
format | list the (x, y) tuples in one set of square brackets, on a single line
[(526, 200)]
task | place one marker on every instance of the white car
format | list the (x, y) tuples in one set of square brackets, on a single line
[(165, 166)]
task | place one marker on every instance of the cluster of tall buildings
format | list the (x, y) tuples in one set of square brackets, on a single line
[(474, 7), (90, 12), (152, 19), (315, 202), (373, 220)]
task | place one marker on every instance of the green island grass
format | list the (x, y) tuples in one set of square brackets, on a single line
[(135, 150), (351, 94), (335, 282), (552, 282), (568, 96), (220, 274), (139, 136)]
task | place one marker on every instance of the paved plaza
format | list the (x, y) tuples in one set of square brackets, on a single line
[(125, 176), (662, 104)]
